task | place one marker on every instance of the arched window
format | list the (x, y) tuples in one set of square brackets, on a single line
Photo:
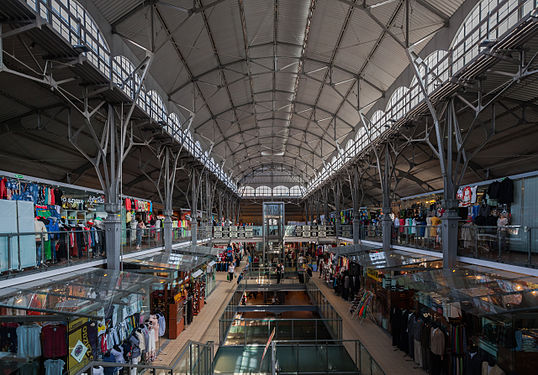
[(351, 150), (398, 105), (487, 20), (197, 149), (296, 191), (247, 191), (174, 126), (156, 106), (142, 100), (189, 143), (376, 122), (214, 166), (281, 191), (263, 191), (73, 22), (437, 70), (416, 92), (332, 165), (122, 75)]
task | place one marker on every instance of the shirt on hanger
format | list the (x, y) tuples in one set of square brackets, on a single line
[(54, 341), (29, 341), (54, 366)]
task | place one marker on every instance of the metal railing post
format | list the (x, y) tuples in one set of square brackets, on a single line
[(475, 242), (42, 248), (499, 242), (292, 330), (9, 265), (327, 357), (356, 358), (529, 241)]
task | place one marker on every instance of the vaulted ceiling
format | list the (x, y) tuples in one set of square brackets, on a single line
[(275, 82)]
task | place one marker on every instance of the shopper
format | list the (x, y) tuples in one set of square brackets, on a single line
[(278, 273), (240, 277), (231, 269), (140, 226)]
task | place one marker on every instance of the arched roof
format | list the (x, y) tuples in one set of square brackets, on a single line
[(279, 78)]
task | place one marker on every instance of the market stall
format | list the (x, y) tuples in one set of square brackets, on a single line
[(61, 324), (491, 314), (178, 297)]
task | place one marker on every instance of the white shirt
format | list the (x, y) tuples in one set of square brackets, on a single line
[(231, 268)]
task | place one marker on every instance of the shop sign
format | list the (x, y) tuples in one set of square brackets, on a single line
[(80, 353), (72, 200), (96, 199), (373, 274)]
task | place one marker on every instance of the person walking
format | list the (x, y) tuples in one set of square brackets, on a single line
[(140, 226), (278, 273), (231, 269)]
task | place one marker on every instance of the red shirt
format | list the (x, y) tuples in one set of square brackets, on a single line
[(54, 341), (3, 190)]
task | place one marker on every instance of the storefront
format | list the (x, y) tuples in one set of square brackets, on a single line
[(497, 220), (59, 325), (181, 294), (44, 222), (478, 318), (378, 270)]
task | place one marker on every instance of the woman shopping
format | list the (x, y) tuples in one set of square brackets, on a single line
[(140, 226)]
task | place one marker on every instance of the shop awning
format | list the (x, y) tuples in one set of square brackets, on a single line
[(482, 292), (88, 293), (392, 259), (353, 249), (198, 250), (197, 273), (167, 263)]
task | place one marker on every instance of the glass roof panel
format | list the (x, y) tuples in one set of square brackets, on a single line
[(391, 259), (86, 293), (483, 291)]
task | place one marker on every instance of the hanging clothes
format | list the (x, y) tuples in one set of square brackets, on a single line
[(54, 366), (29, 341), (54, 341)]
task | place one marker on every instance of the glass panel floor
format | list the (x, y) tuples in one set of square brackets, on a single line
[(257, 332), (292, 359)]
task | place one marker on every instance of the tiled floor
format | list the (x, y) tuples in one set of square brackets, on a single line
[(205, 326), (377, 341)]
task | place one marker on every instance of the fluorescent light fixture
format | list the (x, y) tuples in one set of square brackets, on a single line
[(269, 153)]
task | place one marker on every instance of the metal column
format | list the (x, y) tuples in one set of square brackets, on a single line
[(194, 208), (337, 191)]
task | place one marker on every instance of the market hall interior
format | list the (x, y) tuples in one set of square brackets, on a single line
[(268, 187)]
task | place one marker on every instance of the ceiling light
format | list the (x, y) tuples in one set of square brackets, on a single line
[(269, 153)]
